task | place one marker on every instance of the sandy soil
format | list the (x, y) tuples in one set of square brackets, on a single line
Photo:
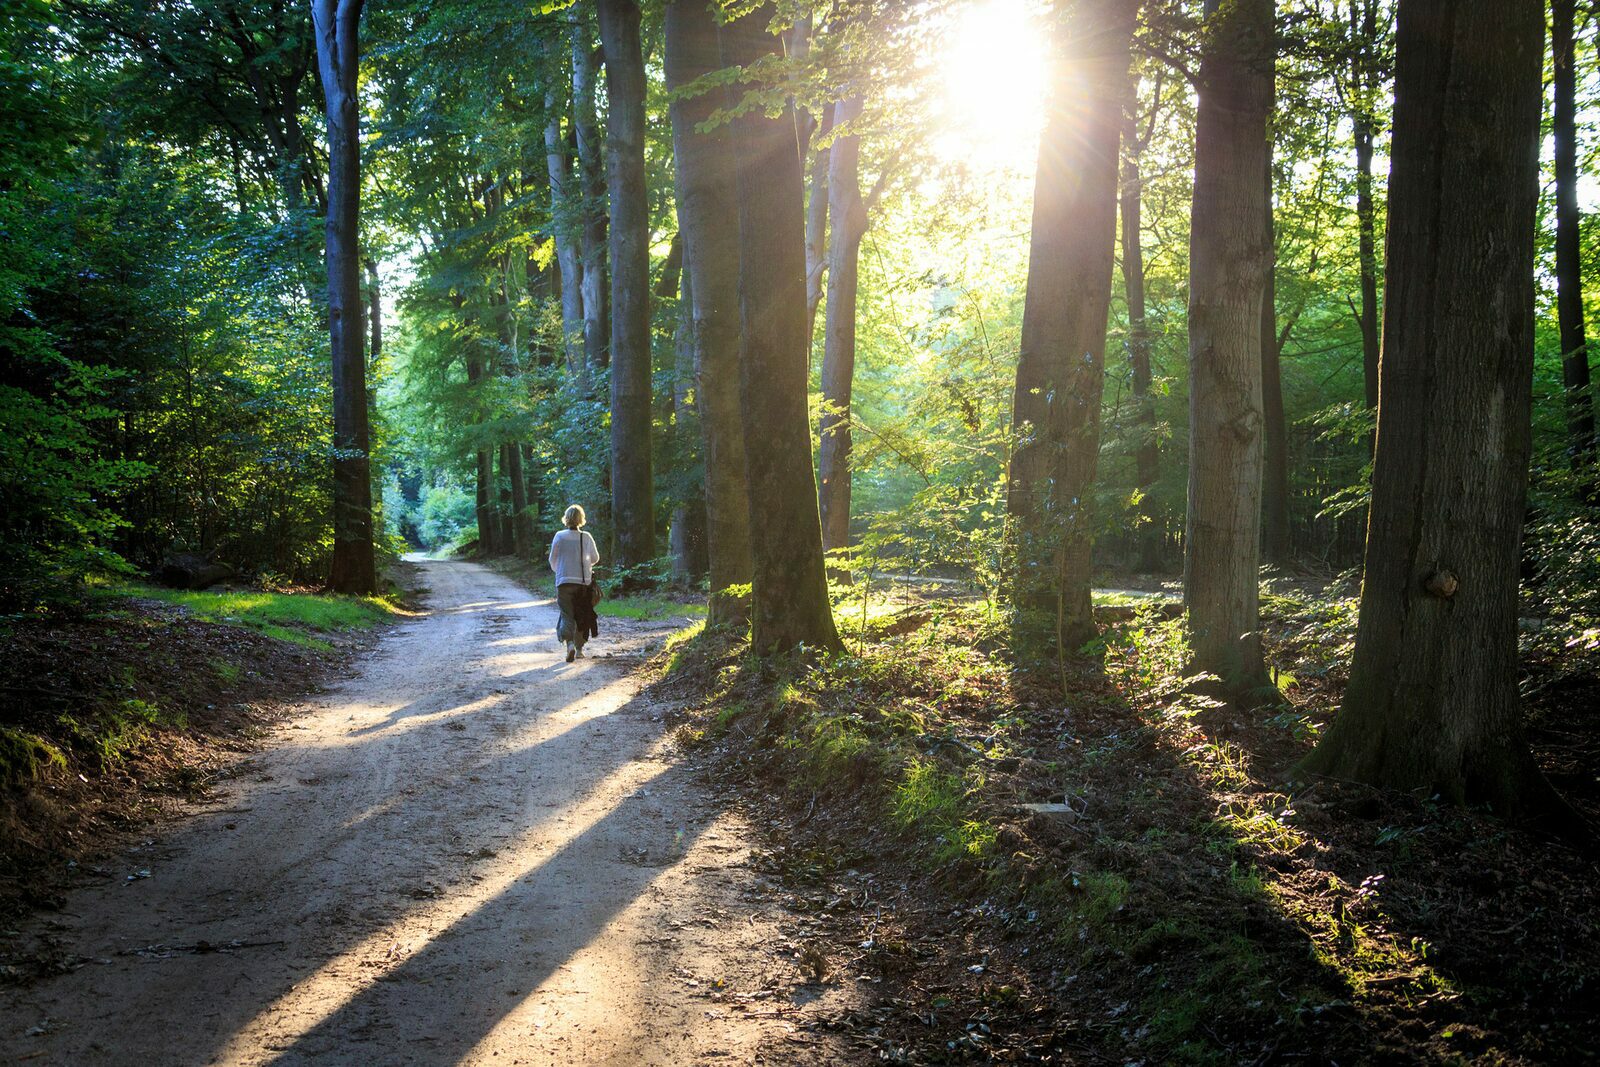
[(470, 852)]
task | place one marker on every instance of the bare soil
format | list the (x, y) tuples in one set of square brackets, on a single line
[(469, 852)]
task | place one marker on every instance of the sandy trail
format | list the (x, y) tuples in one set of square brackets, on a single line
[(470, 852)]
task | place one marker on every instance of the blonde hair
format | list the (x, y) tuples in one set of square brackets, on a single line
[(574, 517)]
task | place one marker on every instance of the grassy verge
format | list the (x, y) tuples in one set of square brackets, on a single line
[(295, 617), (109, 714), (1181, 902), (644, 607)]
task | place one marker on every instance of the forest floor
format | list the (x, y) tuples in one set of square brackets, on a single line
[(1178, 899), (467, 851)]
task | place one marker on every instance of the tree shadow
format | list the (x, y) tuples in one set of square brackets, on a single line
[(374, 858), (1232, 913), (450, 994), (1183, 902)]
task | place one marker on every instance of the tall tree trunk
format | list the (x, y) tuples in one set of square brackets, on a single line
[(374, 307), (688, 531), (790, 606), (1275, 480), (1432, 702), (1569, 265), (505, 519), (592, 181), (839, 328), (353, 568), (708, 214), (1364, 85), (521, 521), (1061, 367), (1227, 275), (817, 224), (566, 213), (1147, 455), (518, 523), (632, 486)]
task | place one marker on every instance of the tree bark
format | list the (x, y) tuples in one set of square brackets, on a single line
[(1569, 265), (817, 224), (1432, 702), (1275, 480), (632, 485), (688, 531), (521, 522), (1227, 280), (839, 330), (790, 606), (1364, 84), (592, 180), (1147, 455), (353, 568), (1061, 367), (566, 214), (708, 215)]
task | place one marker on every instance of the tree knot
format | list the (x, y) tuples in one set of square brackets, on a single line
[(1442, 584)]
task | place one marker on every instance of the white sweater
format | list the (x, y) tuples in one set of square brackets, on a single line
[(573, 556)]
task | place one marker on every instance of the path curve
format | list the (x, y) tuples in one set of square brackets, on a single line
[(470, 852)]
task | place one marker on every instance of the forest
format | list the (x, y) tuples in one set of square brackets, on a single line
[(1111, 483)]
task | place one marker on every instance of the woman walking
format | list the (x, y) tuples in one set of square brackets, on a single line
[(572, 557)]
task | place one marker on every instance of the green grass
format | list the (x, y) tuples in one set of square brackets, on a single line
[(293, 617), (643, 607)]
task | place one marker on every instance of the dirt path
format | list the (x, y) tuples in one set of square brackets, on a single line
[(471, 852)]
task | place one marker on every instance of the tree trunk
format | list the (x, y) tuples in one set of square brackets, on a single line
[(486, 509), (1147, 456), (488, 529), (1432, 702), (1275, 480), (708, 215), (1228, 261), (374, 307), (688, 530), (790, 606), (521, 524), (839, 329), (632, 487), (592, 180), (566, 212), (374, 323), (1569, 264), (1364, 84), (353, 568), (817, 224), (1061, 367)]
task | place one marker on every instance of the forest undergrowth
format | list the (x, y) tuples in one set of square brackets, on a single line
[(118, 712), (1178, 899)]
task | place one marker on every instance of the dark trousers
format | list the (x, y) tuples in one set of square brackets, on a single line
[(567, 601)]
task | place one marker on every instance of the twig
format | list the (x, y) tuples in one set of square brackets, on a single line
[(200, 947)]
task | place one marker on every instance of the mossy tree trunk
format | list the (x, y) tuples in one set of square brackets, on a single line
[(1061, 368), (790, 606)]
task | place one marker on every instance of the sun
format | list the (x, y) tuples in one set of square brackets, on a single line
[(991, 80)]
